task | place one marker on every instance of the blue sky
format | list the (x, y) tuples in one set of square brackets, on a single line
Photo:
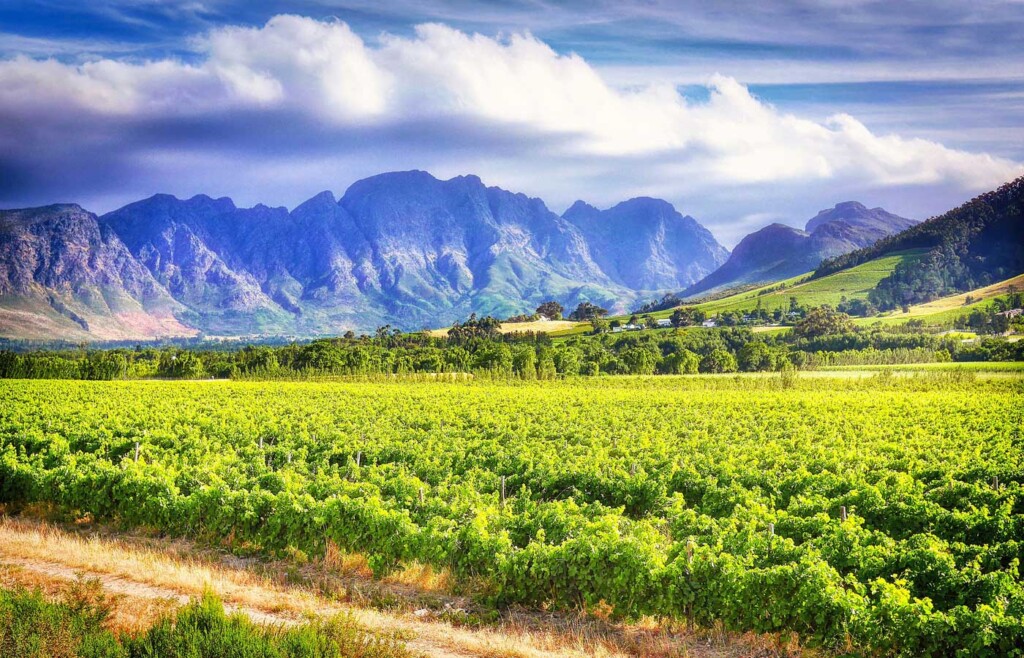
[(738, 113)]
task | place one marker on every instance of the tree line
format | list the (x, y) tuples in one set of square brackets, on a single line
[(477, 346)]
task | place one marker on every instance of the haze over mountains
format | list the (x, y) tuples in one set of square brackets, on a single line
[(403, 248)]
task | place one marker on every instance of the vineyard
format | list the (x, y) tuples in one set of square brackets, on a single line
[(880, 515)]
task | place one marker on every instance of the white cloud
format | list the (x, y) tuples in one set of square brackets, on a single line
[(441, 76), (321, 66)]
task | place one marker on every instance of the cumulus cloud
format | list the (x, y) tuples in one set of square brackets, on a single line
[(327, 79)]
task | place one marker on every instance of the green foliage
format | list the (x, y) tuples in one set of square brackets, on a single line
[(823, 321), (551, 310), (718, 361), (180, 364), (968, 247), (586, 312), (682, 362), (203, 630), (608, 482), (32, 627), (756, 356)]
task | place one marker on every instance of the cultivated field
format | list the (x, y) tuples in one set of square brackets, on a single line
[(854, 283), (874, 512)]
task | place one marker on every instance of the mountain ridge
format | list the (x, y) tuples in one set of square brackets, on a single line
[(779, 251), (399, 248)]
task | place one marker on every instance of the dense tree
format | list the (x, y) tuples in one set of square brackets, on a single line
[(755, 356), (824, 337), (640, 360), (685, 317), (181, 364), (495, 358), (587, 311), (718, 361), (568, 360), (599, 325), (552, 310), (683, 362), (524, 361), (822, 321)]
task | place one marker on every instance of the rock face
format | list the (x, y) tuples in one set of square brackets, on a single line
[(400, 248), (778, 252), (645, 244), (63, 274)]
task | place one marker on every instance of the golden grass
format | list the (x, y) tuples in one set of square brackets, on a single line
[(127, 614), (538, 326), (139, 570), (957, 301)]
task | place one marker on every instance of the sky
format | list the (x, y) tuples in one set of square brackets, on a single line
[(738, 113)]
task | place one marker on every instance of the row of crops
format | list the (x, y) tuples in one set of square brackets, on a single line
[(879, 516)]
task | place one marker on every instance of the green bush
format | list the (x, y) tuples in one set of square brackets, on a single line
[(32, 627)]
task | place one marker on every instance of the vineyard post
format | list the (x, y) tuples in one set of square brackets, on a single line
[(995, 482), (289, 457), (136, 451), (261, 443), (421, 495), (632, 469), (502, 490), (771, 529), (359, 458), (689, 564), (842, 513)]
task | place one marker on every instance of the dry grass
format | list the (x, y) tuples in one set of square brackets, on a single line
[(957, 301), (539, 326), (147, 573), (128, 614)]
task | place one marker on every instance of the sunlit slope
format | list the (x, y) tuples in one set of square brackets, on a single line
[(947, 309), (854, 283)]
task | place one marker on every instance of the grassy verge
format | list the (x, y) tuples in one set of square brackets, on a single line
[(74, 625)]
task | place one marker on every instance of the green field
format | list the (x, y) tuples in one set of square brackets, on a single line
[(973, 366), (854, 283), (945, 310), (713, 499)]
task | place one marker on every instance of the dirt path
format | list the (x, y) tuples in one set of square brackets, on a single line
[(146, 572), (134, 590)]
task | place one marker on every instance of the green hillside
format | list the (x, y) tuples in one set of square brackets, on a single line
[(853, 283), (968, 247), (946, 310)]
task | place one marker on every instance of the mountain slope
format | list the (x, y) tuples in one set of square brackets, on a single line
[(438, 250), (943, 311), (977, 244), (63, 275), (645, 244), (402, 248), (779, 252)]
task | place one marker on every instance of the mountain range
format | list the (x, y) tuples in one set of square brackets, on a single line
[(400, 248), (778, 252)]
